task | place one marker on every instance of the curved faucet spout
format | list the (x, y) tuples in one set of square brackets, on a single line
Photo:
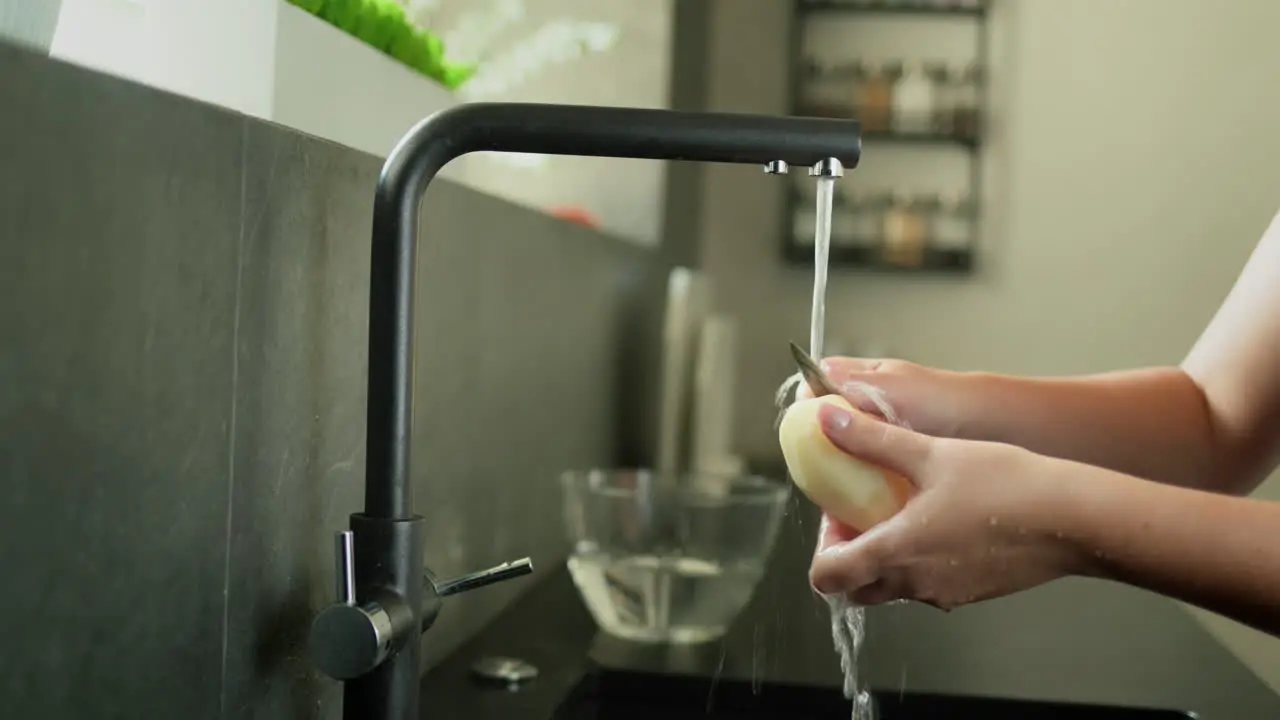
[(528, 128)]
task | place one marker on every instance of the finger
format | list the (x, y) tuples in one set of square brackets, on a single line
[(879, 443), (877, 593), (830, 577), (832, 532), (851, 376), (842, 368), (869, 399), (861, 384), (843, 567)]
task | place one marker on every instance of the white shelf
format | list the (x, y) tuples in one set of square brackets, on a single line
[(269, 60), (334, 86)]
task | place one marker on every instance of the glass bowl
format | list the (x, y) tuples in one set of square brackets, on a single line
[(669, 559)]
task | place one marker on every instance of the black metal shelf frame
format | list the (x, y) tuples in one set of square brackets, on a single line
[(870, 256), (881, 7)]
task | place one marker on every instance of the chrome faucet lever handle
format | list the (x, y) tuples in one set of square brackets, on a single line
[(495, 574), (437, 590), (344, 557)]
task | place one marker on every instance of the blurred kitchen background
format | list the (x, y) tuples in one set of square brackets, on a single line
[(1047, 187)]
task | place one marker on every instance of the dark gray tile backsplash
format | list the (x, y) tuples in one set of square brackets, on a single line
[(299, 411), (183, 299), (516, 382), (118, 252)]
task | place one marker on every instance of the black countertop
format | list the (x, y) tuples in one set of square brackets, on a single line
[(1073, 640)]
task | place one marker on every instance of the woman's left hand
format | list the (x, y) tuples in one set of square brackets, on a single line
[(986, 520)]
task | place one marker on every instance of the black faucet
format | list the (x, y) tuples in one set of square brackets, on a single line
[(386, 597)]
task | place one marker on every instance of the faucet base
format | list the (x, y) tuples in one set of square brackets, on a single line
[(389, 560), (390, 691)]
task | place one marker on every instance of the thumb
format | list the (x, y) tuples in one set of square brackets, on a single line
[(880, 443)]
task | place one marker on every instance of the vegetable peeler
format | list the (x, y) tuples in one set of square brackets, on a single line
[(817, 380)]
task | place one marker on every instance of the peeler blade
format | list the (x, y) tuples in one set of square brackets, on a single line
[(817, 381)]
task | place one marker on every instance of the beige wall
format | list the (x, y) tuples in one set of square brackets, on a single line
[(633, 70), (1131, 168)]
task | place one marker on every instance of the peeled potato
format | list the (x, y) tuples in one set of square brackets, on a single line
[(855, 492)]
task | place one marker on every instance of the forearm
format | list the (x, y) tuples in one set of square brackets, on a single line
[(1152, 423), (1218, 552)]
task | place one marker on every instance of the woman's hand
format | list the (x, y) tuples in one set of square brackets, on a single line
[(928, 400), (1153, 423), (984, 523)]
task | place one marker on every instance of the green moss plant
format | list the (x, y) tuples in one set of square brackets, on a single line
[(382, 25)]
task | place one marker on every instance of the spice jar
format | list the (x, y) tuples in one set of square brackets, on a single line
[(953, 223), (914, 99), (946, 79), (842, 216), (803, 226), (873, 94), (864, 214), (823, 91), (939, 113), (856, 222), (904, 231), (964, 102), (804, 222), (926, 207)]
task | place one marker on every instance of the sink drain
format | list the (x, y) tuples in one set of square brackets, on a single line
[(508, 671)]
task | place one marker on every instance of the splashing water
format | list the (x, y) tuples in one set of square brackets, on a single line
[(848, 621), (848, 628)]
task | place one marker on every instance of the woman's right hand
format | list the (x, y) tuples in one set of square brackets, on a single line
[(930, 401)]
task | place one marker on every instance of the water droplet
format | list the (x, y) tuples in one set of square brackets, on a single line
[(1058, 534), (994, 521), (954, 562)]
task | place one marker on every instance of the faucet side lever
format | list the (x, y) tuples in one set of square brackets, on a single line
[(436, 590), (472, 581)]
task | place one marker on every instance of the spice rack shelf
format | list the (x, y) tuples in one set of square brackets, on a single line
[(929, 103), (924, 138), (886, 7), (927, 137), (863, 229), (866, 255)]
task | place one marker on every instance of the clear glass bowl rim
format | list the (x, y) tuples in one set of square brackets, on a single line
[(746, 488)]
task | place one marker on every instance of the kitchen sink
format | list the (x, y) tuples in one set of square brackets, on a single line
[(608, 694)]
